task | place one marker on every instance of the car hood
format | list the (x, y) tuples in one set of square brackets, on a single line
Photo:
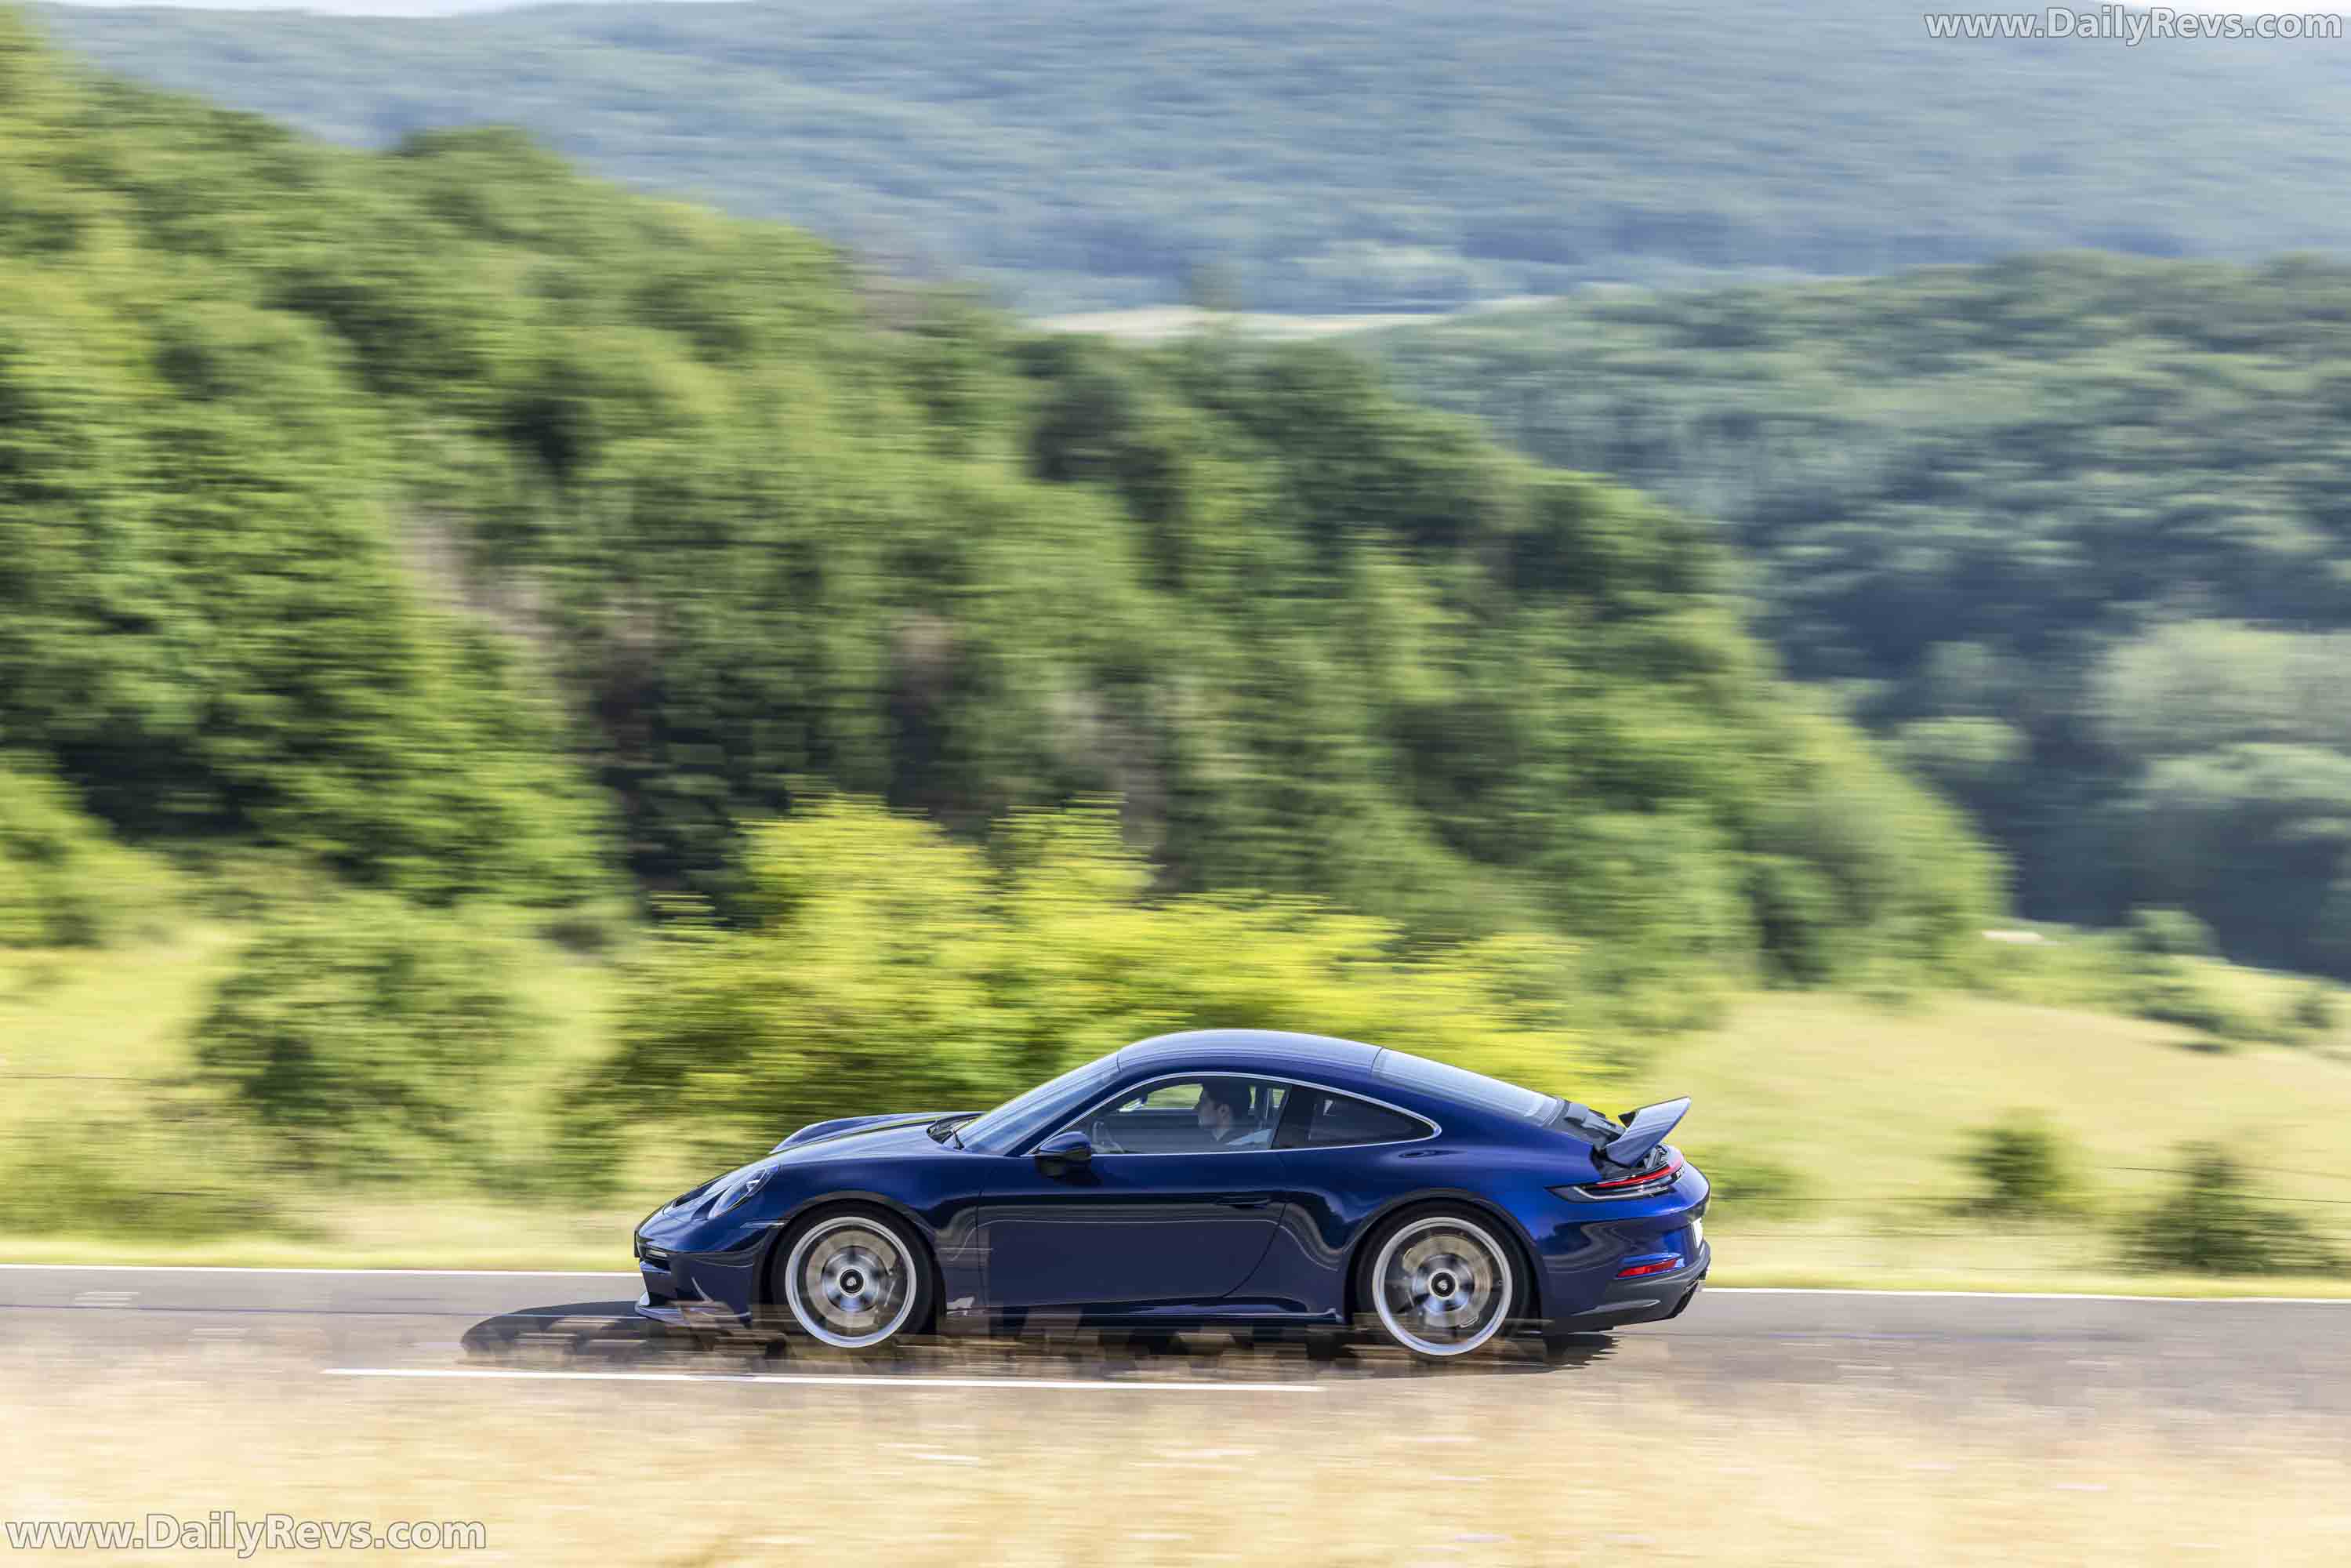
[(815, 1131), (880, 1137), (888, 1139)]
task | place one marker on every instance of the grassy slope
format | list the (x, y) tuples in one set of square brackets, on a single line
[(83, 1028), (1884, 1098), (1810, 1081)]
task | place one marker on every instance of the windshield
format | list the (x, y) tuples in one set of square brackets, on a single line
[(1003, 1129), (1460, 1084)]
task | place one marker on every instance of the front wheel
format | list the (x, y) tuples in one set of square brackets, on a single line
[(854, 1281), (1439, 1285)]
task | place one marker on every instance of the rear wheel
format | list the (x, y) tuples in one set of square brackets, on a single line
[(1439, 1284), (854, 1279)]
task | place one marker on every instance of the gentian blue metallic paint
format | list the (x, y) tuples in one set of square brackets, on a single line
[(1281, 1234)]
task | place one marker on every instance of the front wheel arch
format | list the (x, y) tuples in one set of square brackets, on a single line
[(770, 1286)]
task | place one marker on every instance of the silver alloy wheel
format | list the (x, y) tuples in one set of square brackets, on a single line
[(850, 1281), (1442, 1286)]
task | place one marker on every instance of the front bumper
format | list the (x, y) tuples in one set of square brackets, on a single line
[(695, 1291)]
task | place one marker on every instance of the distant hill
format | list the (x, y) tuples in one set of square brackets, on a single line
[(1317, 156), (2073, 531)]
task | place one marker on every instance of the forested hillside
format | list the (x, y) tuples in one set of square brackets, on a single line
[(470, 530), (1322, 156), (2073, 533)]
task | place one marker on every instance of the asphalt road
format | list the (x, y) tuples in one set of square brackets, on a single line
[(2267, 1357)]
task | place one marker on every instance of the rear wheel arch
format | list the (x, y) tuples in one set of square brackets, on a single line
[(1403, 1210)]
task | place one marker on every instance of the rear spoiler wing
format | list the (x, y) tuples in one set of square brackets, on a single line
[(1644, 1129)]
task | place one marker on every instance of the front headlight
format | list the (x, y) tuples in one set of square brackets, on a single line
[(732, 1190)]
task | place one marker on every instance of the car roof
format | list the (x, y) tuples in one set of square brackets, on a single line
[(1262, 1049), (1348, 1064)]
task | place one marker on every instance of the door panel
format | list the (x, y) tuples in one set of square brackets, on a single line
[(1129, 1229)]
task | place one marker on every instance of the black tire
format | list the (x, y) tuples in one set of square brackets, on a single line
[(853, 1278), (1440, 1282)]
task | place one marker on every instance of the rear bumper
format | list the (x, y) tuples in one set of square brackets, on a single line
[(1651, 1299)]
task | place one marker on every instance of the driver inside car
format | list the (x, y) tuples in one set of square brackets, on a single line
[(1222, 1111)]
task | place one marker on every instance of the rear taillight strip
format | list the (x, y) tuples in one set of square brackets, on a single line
[(1664, 1173)]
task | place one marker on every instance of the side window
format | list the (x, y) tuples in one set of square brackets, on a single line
[(1331, 1119), (1208, 1114), (1163, 1097)]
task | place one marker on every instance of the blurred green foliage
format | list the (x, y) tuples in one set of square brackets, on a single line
[(1320, 156), (357, 1033), (2069, 531), (2021, 1165), (205, 621), (163, 1174), (1747, 1185), (475, 530), (2154, 969), (2213, 1223), (2168, 933), (2314, 1012), (63, 882), (894, 966)]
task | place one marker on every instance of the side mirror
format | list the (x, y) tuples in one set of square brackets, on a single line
[(1064, 1150)]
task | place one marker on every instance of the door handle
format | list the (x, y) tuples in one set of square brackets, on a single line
[(1245, 1199)]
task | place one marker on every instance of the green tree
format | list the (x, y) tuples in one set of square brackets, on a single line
[(476, 532), (63, 879), (2020, 1165)]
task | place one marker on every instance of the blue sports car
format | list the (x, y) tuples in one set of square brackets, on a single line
[(1227, 1178)]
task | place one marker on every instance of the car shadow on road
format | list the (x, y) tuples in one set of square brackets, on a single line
[(608, 1335), (581, 1329)]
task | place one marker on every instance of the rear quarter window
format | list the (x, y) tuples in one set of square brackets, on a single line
[(1328, 1120)]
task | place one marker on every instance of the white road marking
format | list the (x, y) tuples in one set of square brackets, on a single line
[(240, 1269), (2032, 1296), (827, 1380)]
